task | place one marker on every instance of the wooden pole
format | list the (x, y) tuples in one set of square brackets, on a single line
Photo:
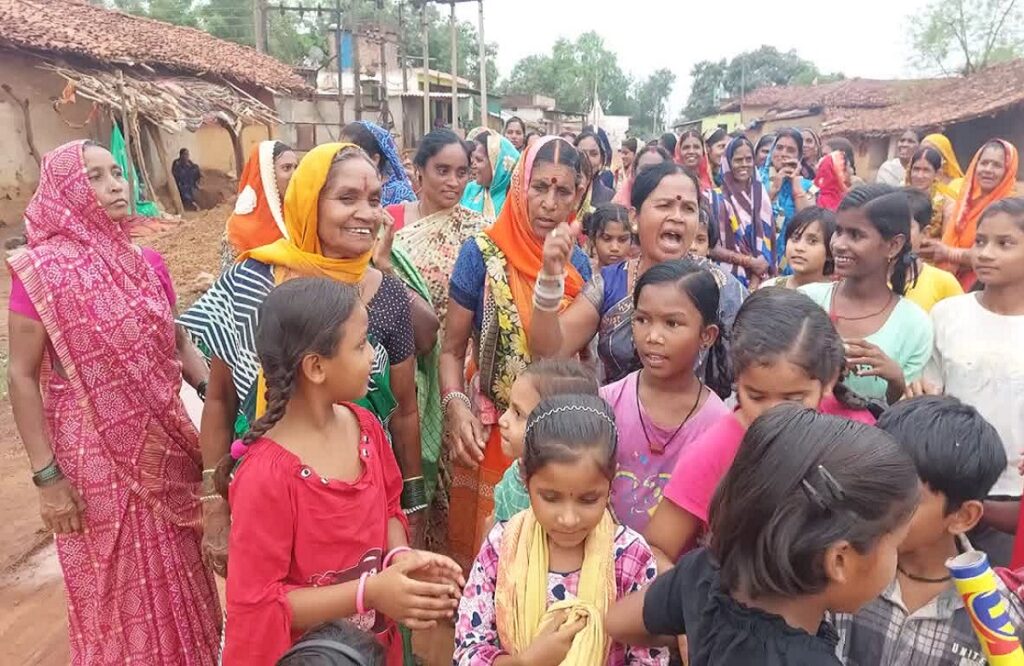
[(259, 18), (425, 27), (485, 114), (161, 154), (341, 89), (137, 135), (453, 28), (126, 130), (357, 74)]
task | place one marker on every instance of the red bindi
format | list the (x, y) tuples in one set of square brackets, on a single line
[(679, 197), (554, 181)]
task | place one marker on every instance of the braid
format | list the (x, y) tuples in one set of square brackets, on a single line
[(280, 385)]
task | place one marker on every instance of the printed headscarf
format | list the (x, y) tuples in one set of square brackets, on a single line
[(396, 187), (258, 218)]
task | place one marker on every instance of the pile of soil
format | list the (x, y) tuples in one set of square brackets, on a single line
[(192, 249)]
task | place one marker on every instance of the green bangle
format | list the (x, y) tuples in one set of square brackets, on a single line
[(48, 475), (414, 492)]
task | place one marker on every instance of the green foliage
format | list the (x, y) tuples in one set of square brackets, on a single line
[(651, 97), (570, 74), (965, 36), (766, 66)]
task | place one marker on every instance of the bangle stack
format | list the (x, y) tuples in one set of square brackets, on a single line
[(548, 292), (414, 495), (48, 475), (455, 395)]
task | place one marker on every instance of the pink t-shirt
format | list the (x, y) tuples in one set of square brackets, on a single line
[(21, 304), (703, 464), (647, 453)]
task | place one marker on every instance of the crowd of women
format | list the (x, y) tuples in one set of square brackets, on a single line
[(527, 384)]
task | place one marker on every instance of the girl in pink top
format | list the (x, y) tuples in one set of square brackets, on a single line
[(664, 408), (784, 349)]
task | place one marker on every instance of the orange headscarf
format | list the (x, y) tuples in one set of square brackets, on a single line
[(513, 234), (960, 230), (257, 219), (299, 253)]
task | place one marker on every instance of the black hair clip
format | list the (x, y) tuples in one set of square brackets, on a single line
[(813, 495), (832, 486)]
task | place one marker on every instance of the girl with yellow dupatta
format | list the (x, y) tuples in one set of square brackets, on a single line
[(518, 602), (332, 213), (491, 302)]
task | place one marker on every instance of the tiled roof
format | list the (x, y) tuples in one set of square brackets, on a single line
[(848, 93), (945, 102), (73, 27)]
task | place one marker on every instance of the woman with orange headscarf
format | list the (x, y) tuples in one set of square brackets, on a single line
[(991, 176), (491, 302), (258, 218), (332, 214)]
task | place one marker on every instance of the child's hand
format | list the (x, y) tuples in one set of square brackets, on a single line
[(438, 569), (877, 362), (552, 644), (415, 603)]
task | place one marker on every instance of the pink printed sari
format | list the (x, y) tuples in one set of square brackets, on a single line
[(137, 589)]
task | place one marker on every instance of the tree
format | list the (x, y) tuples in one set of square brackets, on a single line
[(651, 97), (571, 73), (966, 36), (766, 66), (707, 88)]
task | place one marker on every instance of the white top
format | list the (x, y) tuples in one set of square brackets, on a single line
[(979, 358), (892, 173)]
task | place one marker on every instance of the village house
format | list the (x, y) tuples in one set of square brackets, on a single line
[(70, 70), (968, 110), (872, 113), (388, 90)]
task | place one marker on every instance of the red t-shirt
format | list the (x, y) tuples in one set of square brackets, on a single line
[(702, 465), (290, 528)]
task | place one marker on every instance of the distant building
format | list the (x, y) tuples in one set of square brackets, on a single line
[(872, 113), (62, 62)]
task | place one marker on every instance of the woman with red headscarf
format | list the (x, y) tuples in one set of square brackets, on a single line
[(991, 176)]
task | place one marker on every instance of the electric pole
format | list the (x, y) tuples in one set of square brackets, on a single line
[(259, 17)]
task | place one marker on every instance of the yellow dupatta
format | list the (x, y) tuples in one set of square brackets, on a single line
[(300, 255), (520, 597), (950, 165)]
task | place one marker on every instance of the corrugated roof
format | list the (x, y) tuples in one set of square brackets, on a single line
[(945, 102), (106, 36)]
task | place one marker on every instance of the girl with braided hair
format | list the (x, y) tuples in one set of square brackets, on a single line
[(318, 532)]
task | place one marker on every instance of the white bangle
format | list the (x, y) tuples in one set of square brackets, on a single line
[(455, 395)]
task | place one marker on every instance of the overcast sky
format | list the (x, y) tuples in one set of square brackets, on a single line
[(864, 38)]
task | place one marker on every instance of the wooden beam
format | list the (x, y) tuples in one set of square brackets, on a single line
[(161, 152), (26, 118)]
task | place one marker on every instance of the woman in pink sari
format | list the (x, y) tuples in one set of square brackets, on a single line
[(94, 381)]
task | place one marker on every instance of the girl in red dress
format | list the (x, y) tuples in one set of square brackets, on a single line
[(317, 530)]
